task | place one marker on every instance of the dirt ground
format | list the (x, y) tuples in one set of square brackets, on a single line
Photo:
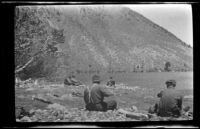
[(142, 98)]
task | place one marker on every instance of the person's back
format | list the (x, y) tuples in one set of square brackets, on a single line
[(94, 98), (98, 93), (170, 103)]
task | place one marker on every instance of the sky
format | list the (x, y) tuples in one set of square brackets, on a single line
[(176, 18)]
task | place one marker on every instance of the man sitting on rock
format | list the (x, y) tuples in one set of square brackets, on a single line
[(170, 103), (111, 82), (94, 97)]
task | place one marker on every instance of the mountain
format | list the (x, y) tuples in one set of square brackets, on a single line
[(117, 38)]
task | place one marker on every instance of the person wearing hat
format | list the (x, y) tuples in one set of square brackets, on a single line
[(74, 81), (170, 103), (111, 82), (94, 97)]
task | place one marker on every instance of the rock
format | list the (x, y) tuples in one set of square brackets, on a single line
[(133, 115), (55, 95), (66, 96), (41, 99), (38, 110), (56, 85), (25, 119), (25, 84), (32, 112), (137, 116), (30, 89), (77, 94), (33, 119), (56, 106), (20, 112), (136, 88), (186, 109), (134, 108), (151, 116)]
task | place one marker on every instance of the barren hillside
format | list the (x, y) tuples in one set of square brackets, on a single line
[(117, 38)]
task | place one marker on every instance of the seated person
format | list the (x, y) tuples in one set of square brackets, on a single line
[(94, 97), (71, 80), (74, 81), (111, 82), (67, 81), (170, 103)]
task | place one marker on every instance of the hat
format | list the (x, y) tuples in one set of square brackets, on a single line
[(95, 78), (172, 82)]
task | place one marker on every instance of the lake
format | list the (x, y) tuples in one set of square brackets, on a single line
[(184, 80)]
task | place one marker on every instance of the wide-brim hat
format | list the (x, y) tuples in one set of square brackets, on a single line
[(172, 82), (96, 78)]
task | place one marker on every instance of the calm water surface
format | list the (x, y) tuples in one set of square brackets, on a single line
[(152, 79)]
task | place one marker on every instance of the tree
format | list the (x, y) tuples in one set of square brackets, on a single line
[(34, 37), (167, 66)]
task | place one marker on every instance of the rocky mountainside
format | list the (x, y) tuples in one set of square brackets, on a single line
[(117, 38)]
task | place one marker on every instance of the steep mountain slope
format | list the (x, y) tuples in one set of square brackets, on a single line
[(121, 37), (100, 37)]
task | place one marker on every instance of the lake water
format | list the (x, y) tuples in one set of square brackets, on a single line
[(154, 80)]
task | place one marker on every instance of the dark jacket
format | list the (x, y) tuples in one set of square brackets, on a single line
[(170, 103), (97, 94)]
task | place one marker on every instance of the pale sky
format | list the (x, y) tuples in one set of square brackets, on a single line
[(176, 18)]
